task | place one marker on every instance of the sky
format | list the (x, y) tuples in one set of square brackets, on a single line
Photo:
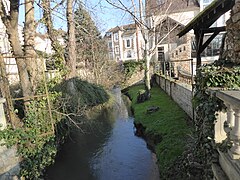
[(104, 15)]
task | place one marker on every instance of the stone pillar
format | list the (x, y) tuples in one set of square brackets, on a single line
[(3, 123), (235, 136), (230, 118), (220, 132)]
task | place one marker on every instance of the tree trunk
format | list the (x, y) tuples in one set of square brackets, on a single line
[(146, 51), (147, 69), (29, 35), (47, 14), (71, 48), (10, 20)]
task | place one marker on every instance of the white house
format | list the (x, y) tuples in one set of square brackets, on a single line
[(42, 43), (124, 43)]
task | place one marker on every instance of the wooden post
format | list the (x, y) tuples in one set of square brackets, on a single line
[(198, 44), (4, 86)]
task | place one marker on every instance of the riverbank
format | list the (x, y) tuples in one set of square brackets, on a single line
[(167, 129), (108, 141)]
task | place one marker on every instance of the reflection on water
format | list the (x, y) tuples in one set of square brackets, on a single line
[(108, 151)]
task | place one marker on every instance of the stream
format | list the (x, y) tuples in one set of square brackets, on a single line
[(105, 149)]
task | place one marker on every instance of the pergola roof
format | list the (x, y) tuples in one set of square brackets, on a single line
[(208, 16)]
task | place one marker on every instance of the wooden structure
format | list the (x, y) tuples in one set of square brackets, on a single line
[(202, 22)]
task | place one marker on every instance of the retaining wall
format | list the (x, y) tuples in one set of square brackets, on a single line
[(9, 162), (179, 92)]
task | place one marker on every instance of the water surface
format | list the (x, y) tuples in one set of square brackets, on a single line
[(107, 150)]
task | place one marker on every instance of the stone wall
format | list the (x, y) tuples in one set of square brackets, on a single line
[(9, 162), (233, 39), (179, 92), (136, 78)]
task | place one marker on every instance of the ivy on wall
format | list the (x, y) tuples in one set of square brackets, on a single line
[(40, 135), (131, 67), (220, 75)]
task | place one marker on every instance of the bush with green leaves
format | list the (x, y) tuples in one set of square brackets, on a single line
[(222, 76), (40, 135), (35, 139), (130, 67)]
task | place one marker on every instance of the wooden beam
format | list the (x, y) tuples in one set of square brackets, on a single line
[(213, 29), (208, 41)]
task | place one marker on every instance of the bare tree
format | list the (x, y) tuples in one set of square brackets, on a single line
[(10, 20), (148, 30), (92, 52), (29, 42), (52, 33), (71, 45)]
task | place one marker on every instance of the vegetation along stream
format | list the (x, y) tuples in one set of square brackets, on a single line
[(107, 150)]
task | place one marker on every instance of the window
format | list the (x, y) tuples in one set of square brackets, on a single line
[(176, 53), (110, 45), (117, 50), (184, 48), (129, 54), (110, 56), (180, 49), (214, 24), (160, 2), (206, 1), (161, 49), (213, 48), (161, 56), (115, 36), (128, 43), (108, 34)]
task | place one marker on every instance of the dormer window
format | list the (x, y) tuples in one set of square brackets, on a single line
[(160, 2), (108, 34)]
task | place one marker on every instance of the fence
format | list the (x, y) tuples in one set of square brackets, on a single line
[(181, 70), (10, 88)]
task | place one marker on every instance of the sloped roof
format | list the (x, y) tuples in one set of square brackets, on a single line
[(115, 29), (170, 6), (123, 27), (208, 16), (129, 32)]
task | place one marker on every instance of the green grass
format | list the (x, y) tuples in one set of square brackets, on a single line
[(170, 122)]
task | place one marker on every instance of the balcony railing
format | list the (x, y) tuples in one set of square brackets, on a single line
[(230, 126)]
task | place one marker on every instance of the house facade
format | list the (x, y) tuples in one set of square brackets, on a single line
[(172, 50), (42, 44), (168, 17), (124, 43), (210, 53)]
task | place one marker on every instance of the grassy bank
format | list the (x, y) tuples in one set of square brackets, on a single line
[(169, 124)]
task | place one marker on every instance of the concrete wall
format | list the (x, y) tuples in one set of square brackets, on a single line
[(9, 162), (179, 92)]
